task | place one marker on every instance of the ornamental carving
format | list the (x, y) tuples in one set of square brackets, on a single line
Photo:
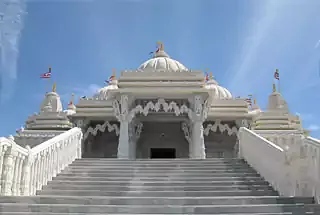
[(187, 131), (102, 128), (161, 104), (222, 128), (197, 105), (138, 129), (201, 110)]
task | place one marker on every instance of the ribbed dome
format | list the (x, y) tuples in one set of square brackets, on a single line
[(218, 92), (162, 62)]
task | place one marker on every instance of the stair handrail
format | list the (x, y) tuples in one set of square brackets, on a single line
[(23, 171), (310, 167), (268, 159)]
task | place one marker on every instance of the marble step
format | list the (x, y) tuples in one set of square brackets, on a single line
[(157, 209), (161, 160), (157, 170), (173, 174), (48, 213), (145, 193), (149, 166), (159, 163), (125, 200), (159, 179), (157, 183), (128, 187)]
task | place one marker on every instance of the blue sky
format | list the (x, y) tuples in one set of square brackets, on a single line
[(242, 42)]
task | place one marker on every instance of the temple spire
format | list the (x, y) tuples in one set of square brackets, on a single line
[(54, 87), (161, 47), (255, 101), (274, 89), (210, 76), (72, 99), (114, 74)]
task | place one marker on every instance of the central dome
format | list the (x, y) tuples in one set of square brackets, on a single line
[(162, 62)]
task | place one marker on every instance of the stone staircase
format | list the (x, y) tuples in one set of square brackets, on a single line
[(110, 186)]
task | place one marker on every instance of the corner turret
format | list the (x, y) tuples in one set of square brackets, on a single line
[(49, 122), (277, 115)]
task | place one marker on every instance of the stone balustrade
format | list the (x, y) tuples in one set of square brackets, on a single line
[(23, 171), (309, 182), (291, 167)]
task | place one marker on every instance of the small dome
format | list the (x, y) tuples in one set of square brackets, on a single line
[(162, 62), (103, 92), (218, 92)]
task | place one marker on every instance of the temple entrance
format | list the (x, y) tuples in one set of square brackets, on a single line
[(162, 153), (162, 140)]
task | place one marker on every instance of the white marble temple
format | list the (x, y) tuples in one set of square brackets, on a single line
[(162, 105)]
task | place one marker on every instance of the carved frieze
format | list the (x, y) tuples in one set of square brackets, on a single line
[(222, 128), (102, 128)]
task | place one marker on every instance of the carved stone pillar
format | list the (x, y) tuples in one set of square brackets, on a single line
[(122, 113), (123, 146), (197, 148)]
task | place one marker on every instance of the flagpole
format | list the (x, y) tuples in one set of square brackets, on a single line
[(48, 82), (278, 80)]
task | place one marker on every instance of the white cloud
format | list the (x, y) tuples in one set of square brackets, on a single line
[(11, 24), (256, 35), (265, 49), (317, 44), (313, 127)]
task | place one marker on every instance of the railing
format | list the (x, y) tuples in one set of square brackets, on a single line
[(266, 158), (293, 170), (310, 168), (23, 171)]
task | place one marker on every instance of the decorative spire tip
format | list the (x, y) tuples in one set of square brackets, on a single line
[(210, 76), (161, 47), (274, 89), (54, 87)]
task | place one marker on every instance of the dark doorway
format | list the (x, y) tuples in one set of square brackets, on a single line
[(158, 153)]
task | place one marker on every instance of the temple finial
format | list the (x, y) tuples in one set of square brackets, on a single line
[(210, 76), (54, 87), (274, 89), (255, 101), (72, 99), (114, 74), (161, 47)]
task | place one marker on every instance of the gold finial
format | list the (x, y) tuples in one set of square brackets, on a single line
[(114, 74), (161, 47), (54, 87), (274, 89), (72, 98), (210, 76), (255, 101)]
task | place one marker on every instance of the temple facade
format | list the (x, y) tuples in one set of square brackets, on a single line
[(160, 110)]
